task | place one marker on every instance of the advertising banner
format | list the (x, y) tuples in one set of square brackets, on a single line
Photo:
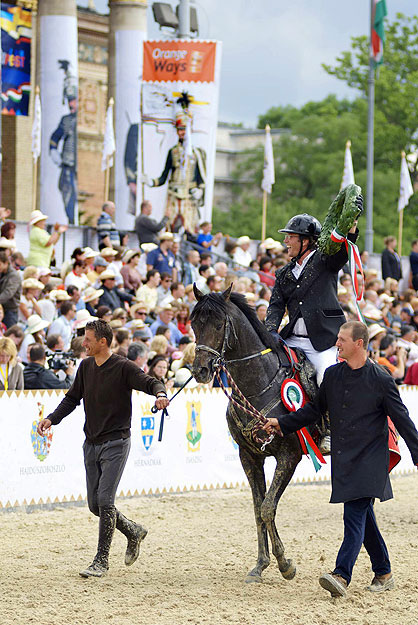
[(196, 451), (128, 72), (16, 38), (177, 143), (59, 97)]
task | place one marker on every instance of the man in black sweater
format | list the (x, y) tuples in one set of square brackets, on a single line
[(105, 382), (359, 396)]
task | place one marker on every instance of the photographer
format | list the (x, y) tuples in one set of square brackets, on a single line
[(390, 352), (36, 376)]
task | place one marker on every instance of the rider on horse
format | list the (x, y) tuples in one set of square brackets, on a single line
[(307, 288)]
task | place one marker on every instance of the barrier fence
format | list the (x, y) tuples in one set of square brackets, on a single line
[(196, 452)]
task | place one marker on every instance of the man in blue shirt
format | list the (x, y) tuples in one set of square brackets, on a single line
[(162, 258), (205, 239), (165, 319)]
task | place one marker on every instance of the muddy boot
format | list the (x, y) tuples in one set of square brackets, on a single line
[(107, 523), (135, 534)]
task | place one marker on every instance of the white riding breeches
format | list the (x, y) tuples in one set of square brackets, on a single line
[(320, 360)]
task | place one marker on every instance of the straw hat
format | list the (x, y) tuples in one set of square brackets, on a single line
[(36, 323), (116, 323), (137, 324), (374, 330), (250, 297), (108, 251), (137, 306), (148, 247), (32, 283), (89, 253), (36, 216), (91, 293), (59, 295), (244, 239), (129, 254), (107, 274), (44, 271), (82, 318), (166, 236)]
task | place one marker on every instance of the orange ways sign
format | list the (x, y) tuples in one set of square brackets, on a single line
[(179, 60)]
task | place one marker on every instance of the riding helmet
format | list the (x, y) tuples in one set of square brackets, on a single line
[(304, 224)]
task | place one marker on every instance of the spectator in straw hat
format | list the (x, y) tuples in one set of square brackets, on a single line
[(109, 254), (112, 296), (241, 254), (41, 243), (82, 318), (165, 318), (35, 333), (7, 245), (91, 298), (129, 272), (28, 306), (10, 290), (162, 258)]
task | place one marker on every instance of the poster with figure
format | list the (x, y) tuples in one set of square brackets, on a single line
[(179, 104), (59, 97), (16, 40), (128, 62)]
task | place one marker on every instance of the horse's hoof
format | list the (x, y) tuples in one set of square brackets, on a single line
[(290, 571), (253, 579)]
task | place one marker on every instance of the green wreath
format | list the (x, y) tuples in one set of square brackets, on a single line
[(340, 219)]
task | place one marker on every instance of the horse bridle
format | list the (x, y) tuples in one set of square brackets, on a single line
[(220, 356)]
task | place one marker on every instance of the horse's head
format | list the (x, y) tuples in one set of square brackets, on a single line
[(210, 324)]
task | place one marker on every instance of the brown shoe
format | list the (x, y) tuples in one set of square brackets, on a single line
[(335, 584), (380, 583)]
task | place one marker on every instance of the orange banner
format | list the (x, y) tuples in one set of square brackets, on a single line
[(181, 60)]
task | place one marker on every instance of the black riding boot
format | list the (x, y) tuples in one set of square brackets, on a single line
[(107, 523), (135, 534)]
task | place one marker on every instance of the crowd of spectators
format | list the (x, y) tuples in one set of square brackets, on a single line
[(146, 294)]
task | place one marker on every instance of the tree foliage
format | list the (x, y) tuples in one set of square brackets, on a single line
[(309, 158)]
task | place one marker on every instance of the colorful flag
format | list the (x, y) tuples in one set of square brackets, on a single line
[(406, 189), (268, 172), (36, 128), (348, 174), (109, 145), (16, 38), (378, 31)]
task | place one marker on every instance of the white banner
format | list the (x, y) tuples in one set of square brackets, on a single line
[(172, 69), (196, 451), (59, 96), (128, 72)]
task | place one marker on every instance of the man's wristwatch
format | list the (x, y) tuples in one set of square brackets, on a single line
[(160, 394)]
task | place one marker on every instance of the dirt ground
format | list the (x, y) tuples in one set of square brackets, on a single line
[(194, 560)]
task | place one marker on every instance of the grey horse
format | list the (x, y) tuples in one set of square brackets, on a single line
[(227, 330)]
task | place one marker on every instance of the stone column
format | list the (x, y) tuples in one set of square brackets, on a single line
[(58, 80), (127, 31)]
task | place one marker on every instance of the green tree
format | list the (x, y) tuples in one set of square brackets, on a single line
[(309, 158)]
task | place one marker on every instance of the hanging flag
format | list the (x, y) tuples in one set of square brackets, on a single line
[(36, 127), (348, 174), (16, 39), (268, 172), (406, 189), (378, 31), (109, 145)]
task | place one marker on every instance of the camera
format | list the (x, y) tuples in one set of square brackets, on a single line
[(60, 360)]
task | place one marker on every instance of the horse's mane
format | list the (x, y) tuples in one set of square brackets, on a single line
[(216, 305)]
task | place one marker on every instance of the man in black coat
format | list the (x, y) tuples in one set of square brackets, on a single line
[(359, 396), (307, 288), (391, 263), (112, 296)]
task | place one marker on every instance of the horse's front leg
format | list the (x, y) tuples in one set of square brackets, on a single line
[(287, 460), (254, 470)]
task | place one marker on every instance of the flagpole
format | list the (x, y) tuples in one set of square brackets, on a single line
[(264, 217), (141, 134), (400, 227), (264, 211), (35, 167), (370, 145), (107, 170)]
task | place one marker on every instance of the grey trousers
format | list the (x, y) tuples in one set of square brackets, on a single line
[(104, 467)]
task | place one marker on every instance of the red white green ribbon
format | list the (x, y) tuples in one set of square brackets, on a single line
[(355, 265)]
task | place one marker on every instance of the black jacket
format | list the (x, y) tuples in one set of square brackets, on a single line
[(359, 402), (114, 298), (36, 376), (10, 289), (391, 265), (313, 296)]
